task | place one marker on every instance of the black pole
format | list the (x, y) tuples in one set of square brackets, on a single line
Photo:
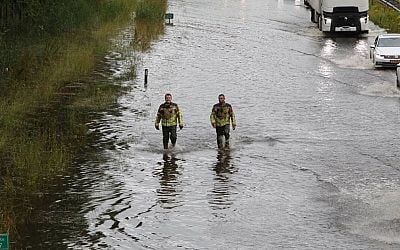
[(146, 73)]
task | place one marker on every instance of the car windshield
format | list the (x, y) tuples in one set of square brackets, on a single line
[(389, 42)]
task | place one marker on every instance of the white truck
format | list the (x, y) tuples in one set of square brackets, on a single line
[(340, 15)]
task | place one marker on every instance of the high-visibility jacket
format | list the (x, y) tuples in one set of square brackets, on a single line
[(169, 114), (222, 114)]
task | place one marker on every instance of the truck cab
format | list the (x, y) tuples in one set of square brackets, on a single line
[(340, 15)]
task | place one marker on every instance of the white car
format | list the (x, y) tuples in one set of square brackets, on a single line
[(385, 52)]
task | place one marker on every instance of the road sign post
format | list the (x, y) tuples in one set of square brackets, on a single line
[(169, 16)]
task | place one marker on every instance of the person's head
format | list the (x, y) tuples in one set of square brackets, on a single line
[(168, 98), (221, 98)]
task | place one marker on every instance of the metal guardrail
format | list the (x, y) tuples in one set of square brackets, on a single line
[(394, 4)]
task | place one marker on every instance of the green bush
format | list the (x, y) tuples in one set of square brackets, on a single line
[(57, 43), (384, 16), (153, 10), (54, 17)]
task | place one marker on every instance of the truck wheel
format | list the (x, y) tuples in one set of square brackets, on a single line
[(320, 22), (312, 16)]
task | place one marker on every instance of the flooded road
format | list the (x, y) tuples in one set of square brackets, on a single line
[(314, 161)]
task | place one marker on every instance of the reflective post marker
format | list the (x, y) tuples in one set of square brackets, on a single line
[(169, 16), (146, 73), (4, 243)]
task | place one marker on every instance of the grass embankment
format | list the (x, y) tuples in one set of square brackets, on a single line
[(148, 25), (42, 126), (384, 16)]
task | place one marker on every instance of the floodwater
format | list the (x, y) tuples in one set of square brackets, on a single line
[(314, 161)]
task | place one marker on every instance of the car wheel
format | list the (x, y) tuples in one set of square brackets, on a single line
[(320, 22)]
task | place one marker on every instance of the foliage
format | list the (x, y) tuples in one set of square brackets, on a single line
[(48, 49), (56, 44), (151, 10), (384, 16)]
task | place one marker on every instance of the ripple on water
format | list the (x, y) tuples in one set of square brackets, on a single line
[(264, 192), (384, 89), (354, 62)]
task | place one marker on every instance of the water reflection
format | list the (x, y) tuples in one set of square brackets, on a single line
[(361, 46), (169, 181), (328, 50), (220, 195), (281, 4)]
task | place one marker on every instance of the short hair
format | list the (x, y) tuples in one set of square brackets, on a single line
[(167, 94), (221, 95)]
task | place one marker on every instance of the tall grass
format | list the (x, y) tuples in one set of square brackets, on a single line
[(151, 10), (146, 32), (59, 43), (384, 16), (149, 22), (34, 17), (38, 137)]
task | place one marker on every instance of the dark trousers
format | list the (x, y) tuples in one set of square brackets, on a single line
[(169, 133), (223, 131)]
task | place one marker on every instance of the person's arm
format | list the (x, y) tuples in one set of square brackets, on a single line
[(158, 118), (212, 117), (179, 117), (233, 119)]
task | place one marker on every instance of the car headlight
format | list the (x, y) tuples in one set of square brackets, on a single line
[(379, 56)]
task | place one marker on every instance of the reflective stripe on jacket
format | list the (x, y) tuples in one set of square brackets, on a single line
[(169, 115), (222, 114)]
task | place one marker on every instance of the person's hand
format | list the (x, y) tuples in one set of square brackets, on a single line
[(213, 124), (180, 127), (234, 127), (157, 127)]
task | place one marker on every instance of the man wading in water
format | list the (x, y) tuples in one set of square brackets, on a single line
[(221, 116), (169, 115)]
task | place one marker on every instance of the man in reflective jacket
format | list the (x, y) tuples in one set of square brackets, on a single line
[(221, 117), (170, 115)]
